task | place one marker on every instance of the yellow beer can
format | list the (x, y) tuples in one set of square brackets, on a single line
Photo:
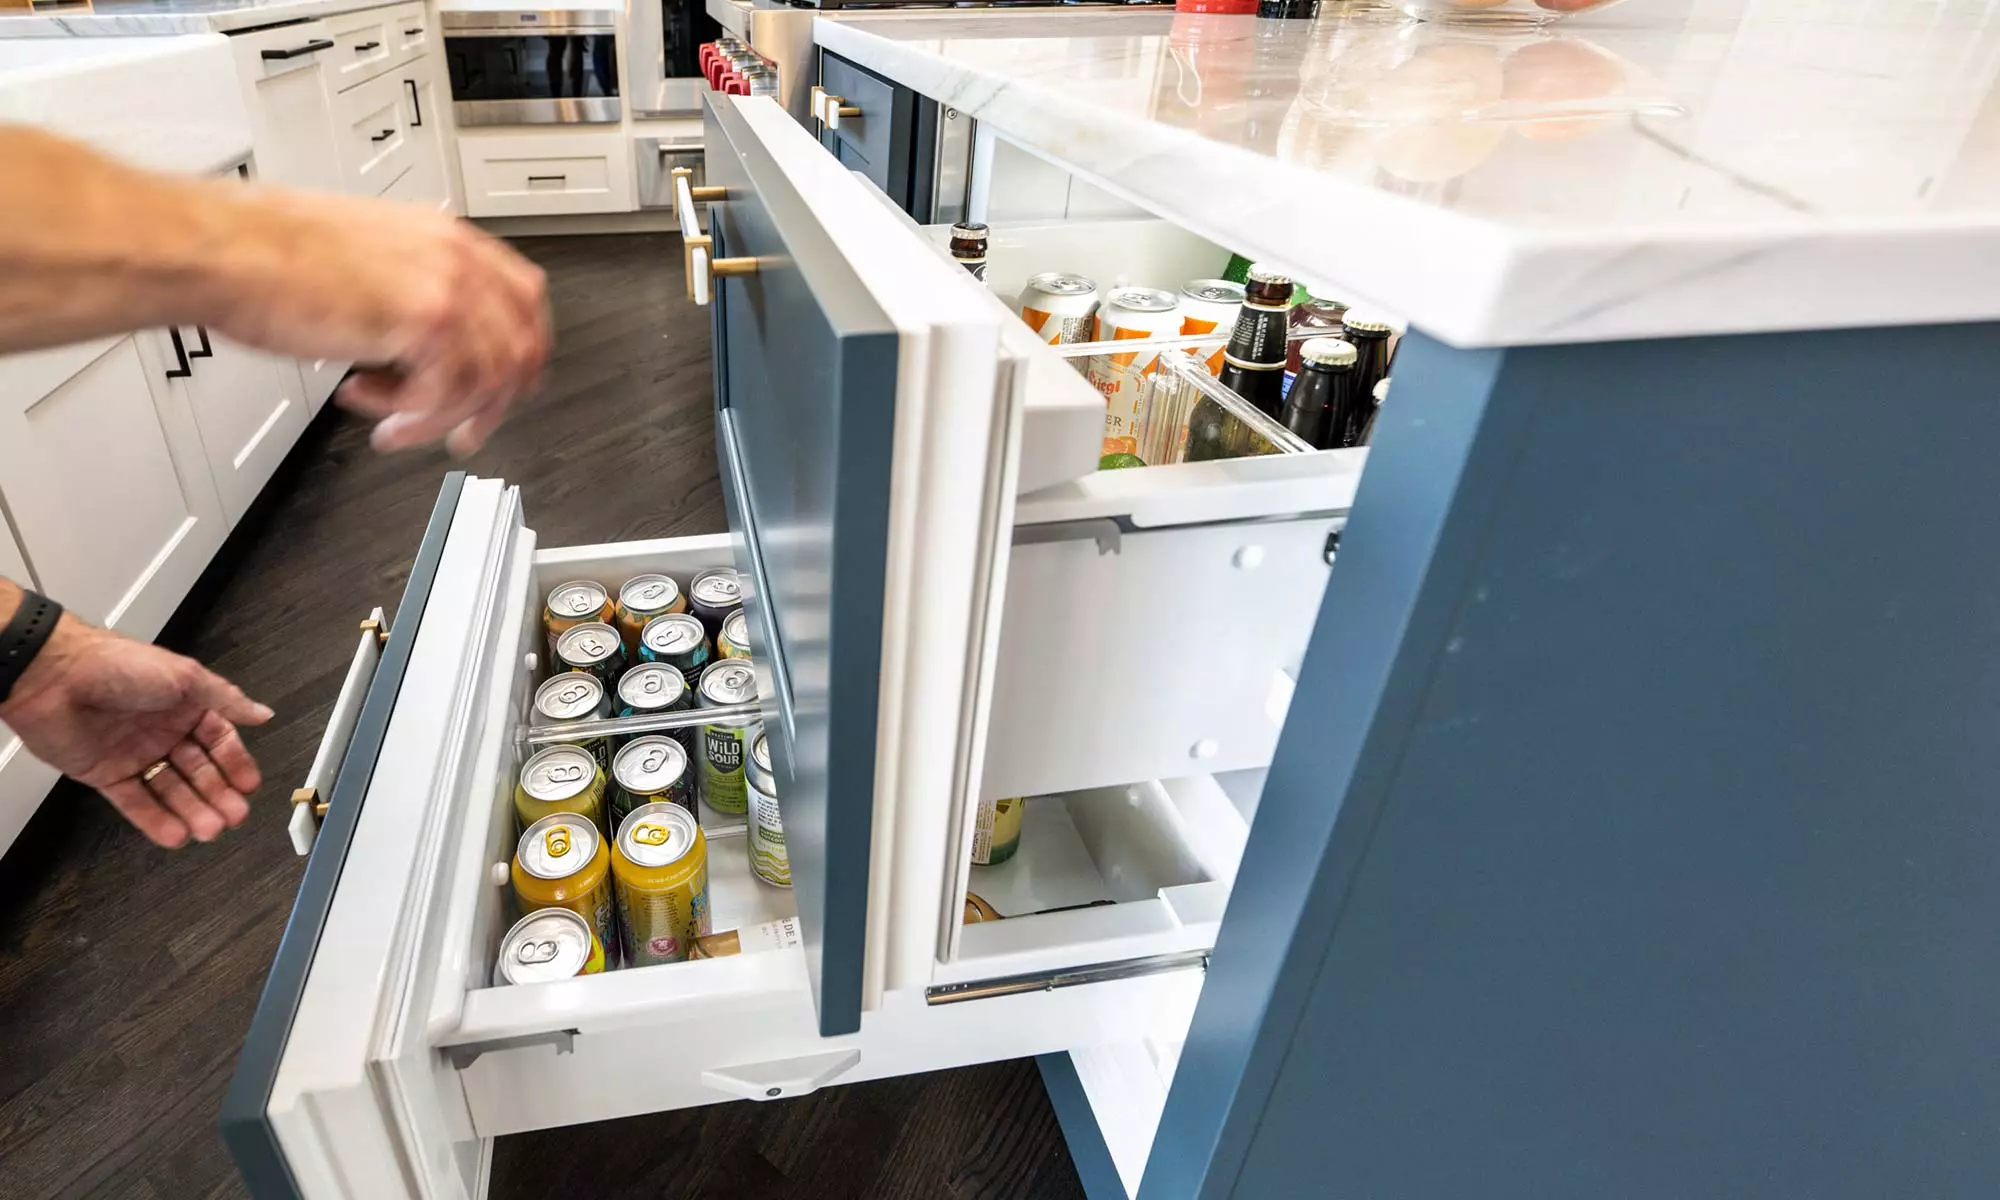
[(659, 873), (562, 862), (560, 779)]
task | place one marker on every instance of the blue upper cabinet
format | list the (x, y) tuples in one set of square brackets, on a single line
[(856, 391)]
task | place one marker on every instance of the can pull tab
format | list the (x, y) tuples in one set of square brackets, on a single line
[(531, 953), (651, 835), (558, 843)]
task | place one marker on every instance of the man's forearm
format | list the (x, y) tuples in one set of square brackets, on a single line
[(10, 599), (90, 246)]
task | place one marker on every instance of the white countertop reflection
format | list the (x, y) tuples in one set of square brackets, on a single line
[(1663, 167)]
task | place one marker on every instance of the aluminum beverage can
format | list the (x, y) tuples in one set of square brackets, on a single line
[(571, 697), (594, 648), (734, 640), (554, 943), (659, 873), (1129, 314), (650, 770), (1208, 305), (768, 859), (562, 861), (640, 599), (560, 779), (578, 602), (723, 786), (712, 595), (655, 687), (680, 642), (1058, 305)]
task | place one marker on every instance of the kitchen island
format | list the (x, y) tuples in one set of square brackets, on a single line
[(1627, 830)]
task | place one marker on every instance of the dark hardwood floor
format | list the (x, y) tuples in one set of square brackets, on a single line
[(128, 974)]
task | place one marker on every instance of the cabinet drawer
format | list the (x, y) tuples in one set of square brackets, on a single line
[(366, 43), (879, 140), (410, 26), (271, 52), (369, 128), (528, 175)]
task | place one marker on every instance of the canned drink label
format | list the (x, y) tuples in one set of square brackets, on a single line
[(722, 780), (649, 593), (558, 773), (767, 839), (672, 635), (730, 682), (650, 765), (557, 846), (588, 644), (652, 687), (1059, 331), (721, 589), (570, 696), (579, 598)]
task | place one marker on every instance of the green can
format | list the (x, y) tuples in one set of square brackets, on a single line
[(728, 681), (653, 688), (652, 769)]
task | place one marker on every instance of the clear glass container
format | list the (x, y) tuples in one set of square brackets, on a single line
[(1499, 12), (1176, 393)]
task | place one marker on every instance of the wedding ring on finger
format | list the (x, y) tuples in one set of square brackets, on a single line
[(153, 772)]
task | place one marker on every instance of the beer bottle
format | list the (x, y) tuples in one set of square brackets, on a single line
[(1370, 336), (1374, 411), (1321, 404), (968, 246), (1316, 315), (1253, 364)]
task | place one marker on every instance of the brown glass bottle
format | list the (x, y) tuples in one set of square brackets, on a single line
[(968, 246), (1253, 364), (1370, 336), (1320, 405), (1315, 316)]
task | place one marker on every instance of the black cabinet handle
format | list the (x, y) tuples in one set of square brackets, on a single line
[(547, 178), (180, 355), (413, 32), (383, 136), (416, 106), (365, 47), (206, 351), (312, 47)]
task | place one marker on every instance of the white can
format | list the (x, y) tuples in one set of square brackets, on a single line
[(767, 831), (1210, 306), (1127, 314)]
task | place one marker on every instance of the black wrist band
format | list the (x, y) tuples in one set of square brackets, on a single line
[(24, 637)]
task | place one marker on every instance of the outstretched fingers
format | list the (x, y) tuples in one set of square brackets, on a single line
[(138, 806)]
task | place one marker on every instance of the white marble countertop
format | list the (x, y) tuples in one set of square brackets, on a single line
[(1665, 167), (152, 18), (167, 103)]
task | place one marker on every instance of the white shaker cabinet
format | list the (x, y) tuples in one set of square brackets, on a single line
[(250, 409), (104, 476), (424, 114), (23, 779)]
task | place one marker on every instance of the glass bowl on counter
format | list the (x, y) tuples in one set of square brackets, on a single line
[(1499, 12)]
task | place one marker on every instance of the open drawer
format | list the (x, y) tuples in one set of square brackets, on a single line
[(384, 1049)]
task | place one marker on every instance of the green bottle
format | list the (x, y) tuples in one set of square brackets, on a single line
[(1238, 269)]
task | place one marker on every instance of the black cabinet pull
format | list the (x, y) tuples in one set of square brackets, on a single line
[(383, 136), (365, 47), (413, 32), (312, 47), (547, 178), (180, 355), (205, 351), (416, 106)]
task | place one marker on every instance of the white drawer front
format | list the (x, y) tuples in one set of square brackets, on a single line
[(545, 176), (364, 46), (374, 143), (272, 52), (410, 26)]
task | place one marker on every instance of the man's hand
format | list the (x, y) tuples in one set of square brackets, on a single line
[(457, 322), (454, 323), (103, 709)]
